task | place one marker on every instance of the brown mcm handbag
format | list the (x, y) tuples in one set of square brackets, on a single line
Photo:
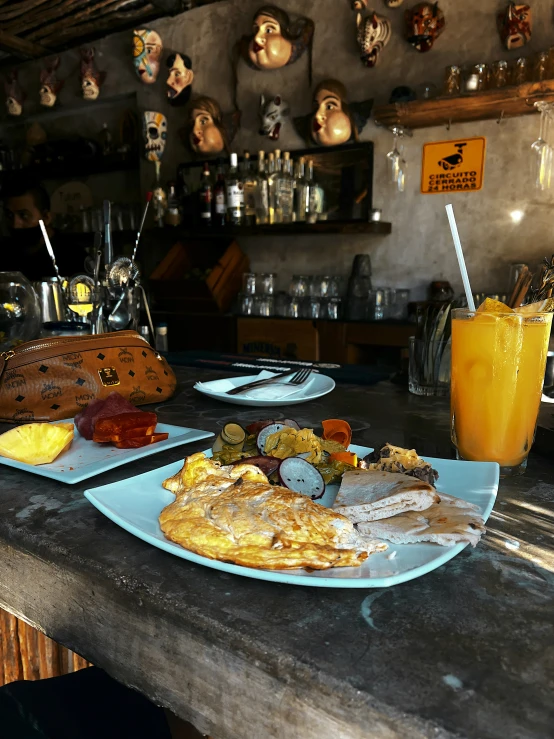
[(55, 378)]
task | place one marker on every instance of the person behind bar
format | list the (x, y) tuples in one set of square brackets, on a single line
[(25, 203)]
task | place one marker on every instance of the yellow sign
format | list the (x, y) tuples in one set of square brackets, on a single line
[(453, 166)]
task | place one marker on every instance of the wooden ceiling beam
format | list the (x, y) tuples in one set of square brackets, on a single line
[(73, 18), (21, 47), (20, 9), (56, 11), (108, 23)]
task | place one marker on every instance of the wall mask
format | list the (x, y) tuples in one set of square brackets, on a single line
[(50, 85), (362, 4), (374, 32), (180, 78), (208, 131), (515, 25), (333, 120), (147, 53), (273, 112), (91, 78), (15, 96), (154, 129), (424, 24)]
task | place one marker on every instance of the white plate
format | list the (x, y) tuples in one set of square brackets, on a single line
[(85, 459), (135, 504), (279, 393)]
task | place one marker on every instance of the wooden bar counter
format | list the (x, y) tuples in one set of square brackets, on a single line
[(464, 651)]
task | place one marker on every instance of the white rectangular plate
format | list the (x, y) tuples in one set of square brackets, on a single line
[(85, 459), (135, 504)]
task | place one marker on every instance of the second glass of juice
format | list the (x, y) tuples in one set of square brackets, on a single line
[(498, 364)]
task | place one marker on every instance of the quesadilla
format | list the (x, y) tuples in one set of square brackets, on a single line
[(369, 495), (392, 458), (446, 523)]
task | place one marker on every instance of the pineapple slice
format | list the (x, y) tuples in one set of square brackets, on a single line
[(36, 443)]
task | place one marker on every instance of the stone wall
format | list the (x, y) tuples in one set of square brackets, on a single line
[(419, 248)]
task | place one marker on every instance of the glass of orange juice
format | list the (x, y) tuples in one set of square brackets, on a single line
[(498, 365)]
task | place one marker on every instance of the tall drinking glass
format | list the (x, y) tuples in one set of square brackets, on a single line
[(498, 364)]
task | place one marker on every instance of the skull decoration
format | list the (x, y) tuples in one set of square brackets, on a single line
[(15, 95), (514, 25), (91, 78), (147, 52), (374, 33), (50, 85), (273, 111), (155, 134), (180, 78), (424, 24)]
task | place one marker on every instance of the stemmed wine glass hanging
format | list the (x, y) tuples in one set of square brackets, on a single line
[(395, 160), (541, 149)]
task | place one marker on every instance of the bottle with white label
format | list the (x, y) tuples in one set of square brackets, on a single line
[(284, 194), (262, 196), (235, 194)]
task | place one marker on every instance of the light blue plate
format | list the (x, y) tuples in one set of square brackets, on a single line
[(85, 459), (135, 504), (279, 393)]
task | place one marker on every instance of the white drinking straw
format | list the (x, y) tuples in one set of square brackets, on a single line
[(53, 258), (460, 255)]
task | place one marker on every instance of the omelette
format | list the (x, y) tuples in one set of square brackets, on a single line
[(233, 514)]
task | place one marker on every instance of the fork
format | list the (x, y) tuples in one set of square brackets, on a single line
[(298, 378)]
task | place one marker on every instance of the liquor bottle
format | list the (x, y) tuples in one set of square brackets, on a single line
[(271, 184), (284, 195), (316, 196), (262, 196), (235, 194), (205, 195), (173, 212), (106, 140), (159, 199), (301, 192), (219, 199), (250, 182)]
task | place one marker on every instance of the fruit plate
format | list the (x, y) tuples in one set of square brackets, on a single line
[(135, 504), (86, 459)]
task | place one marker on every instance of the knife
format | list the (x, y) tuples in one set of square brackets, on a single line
[(259, 383)]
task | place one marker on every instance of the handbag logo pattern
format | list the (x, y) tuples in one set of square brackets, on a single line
[(61, 386)]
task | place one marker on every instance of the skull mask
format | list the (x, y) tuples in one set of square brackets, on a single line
[(374, 33), (424, 24), (50, 85), (14, 94), (155, 134), (514, 26), (273, 111)]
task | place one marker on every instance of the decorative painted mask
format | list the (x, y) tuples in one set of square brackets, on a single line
[(50, 85), (154, 126), (206, 129), (374, 33), (14, 94), (273, 112), (424, 24), (180, 78), (276, 41), (514, 25), (147, 52), (91, 78), (393, 3)]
